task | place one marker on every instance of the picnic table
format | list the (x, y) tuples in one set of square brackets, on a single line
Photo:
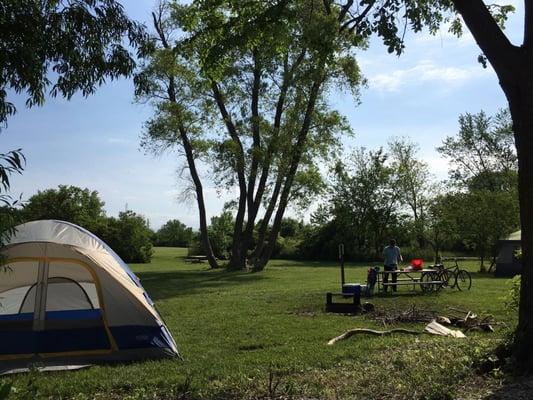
[(196, 259), (428, 279)]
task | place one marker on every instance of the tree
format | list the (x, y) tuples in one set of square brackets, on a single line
[(78, 42), (483, 154), (482, 218), (484, 168), (68, 203), (412, 182), (290, 227), (513, 65), (221, 234), (245, 88), (363, 201), (130, 236), (440, 226), (174, 234)]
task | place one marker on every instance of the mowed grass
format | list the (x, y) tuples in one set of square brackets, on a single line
[(264, 335)]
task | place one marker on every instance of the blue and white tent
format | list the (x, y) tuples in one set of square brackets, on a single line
[(66, 298)]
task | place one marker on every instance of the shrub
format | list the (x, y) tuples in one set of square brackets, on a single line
[(409, 253), (221, 234), (174, 234), (513, 296), (287, 248), (130, 237)]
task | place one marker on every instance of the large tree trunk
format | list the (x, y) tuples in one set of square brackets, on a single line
[(297, 152), (238, 254), (254, 203), (187, 146), (206, 243), (522, 112), (514, 67), (263, 228)]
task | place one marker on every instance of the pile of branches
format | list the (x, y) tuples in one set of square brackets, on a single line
[(410, 315), (465, 320), (469, 321)]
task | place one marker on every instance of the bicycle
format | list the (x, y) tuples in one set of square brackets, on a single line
[(461, 277)]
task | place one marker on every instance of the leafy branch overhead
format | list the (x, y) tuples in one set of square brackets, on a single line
[(62, 47)]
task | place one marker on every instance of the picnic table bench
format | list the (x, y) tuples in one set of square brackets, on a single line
[(352, 306), (196, 259)]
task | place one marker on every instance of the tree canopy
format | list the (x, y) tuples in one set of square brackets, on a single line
[(130, 237), (62, 46), (67, 203), (173, 233), (483, 154)]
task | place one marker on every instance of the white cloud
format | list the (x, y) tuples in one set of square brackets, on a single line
[(424, 72)]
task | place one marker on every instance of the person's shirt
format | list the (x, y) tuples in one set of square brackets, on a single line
[(391, 255)]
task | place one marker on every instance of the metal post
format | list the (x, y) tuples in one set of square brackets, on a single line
[(341, 258)]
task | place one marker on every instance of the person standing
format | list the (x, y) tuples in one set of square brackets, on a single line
[(391, 258)]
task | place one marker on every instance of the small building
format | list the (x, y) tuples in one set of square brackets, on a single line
[(507, 263)]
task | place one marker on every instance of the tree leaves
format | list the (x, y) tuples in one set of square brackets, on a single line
[(483, 152), (79, 41), (10, 162)]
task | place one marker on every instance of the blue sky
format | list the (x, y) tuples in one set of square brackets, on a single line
[(94, 142)]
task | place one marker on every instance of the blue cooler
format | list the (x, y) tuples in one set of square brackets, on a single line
[(351, 289)]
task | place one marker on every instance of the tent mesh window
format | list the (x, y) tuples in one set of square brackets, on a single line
[(16, 281)]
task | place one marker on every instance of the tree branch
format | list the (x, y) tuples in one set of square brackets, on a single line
[(488, 35), (357, 20), (256, 134), (344, 10)]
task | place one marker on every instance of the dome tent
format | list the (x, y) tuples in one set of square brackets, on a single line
[(66, 298)]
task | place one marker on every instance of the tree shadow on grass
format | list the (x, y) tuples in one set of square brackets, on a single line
[(163, 285), (519, 389), (508, 386)]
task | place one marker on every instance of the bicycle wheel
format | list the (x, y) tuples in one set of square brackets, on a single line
[(442, 275), (437, 277), (426, 284), (445, 276), (463, 280)]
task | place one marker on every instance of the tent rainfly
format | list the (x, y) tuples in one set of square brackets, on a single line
[(66, 298), (506, 263)]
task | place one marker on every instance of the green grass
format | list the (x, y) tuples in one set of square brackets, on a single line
[(262, 335)]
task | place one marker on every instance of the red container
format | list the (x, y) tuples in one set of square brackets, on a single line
[(417, 263)]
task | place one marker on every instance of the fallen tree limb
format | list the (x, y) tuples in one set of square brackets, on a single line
[(352, 332), (433, 328)]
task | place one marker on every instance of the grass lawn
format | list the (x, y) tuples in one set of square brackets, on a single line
[(263, 335)]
